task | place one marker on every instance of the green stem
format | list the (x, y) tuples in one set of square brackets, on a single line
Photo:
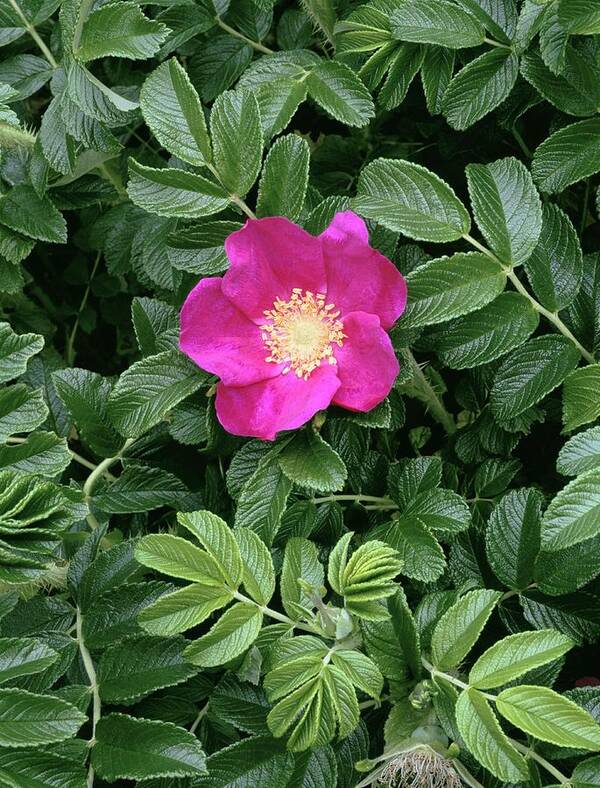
[(529, 753), (34, 34), (276, 615), (584, 213), (552, 317), (233, 32), (233, 197), (521, 142), (70, 349), (494, 43), (375, 498), (423, 390), (88, 664), (99, 470), (452, 679), (198, 719)]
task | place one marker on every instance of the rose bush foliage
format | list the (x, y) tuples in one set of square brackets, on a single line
[(394, 581)]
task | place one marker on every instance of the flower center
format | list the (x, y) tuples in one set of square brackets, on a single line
[(300, 332)]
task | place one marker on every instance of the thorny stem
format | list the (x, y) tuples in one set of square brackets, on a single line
[(70, 349), (91, 674), (274, 614), (426, 393), (77, 457), (34, 34), (552, 317), (233, 32), (99, 470), (529, 753)]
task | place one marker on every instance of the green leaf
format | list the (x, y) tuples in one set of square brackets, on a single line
[(368, 576), (579, 454), (315, 767), (259, 573), (237, 140), (567, 156), (436, 73), (450, 287), (138, 666), (322, 14), (440, 510), (172, 110), (183, 609), (517, 654), (530, 373), (23, 210), (360, 670), (512, 537), (24, 656), (120, 30), (284, 178), (155, 323), (173, 192), (341, 93), (27, 719), (479, 87), (487, 334), (21, 409), (241, 704), (300, 563), (199, 249), (254, 761), (263, 499), (405, 628), (486, 740), (15, 351), (149, 389), (580, 17), (218, 540), (575, 90), (435, 22), (43, 453), (234, 632), (141, 488), (555, 269), (410, 478), (507, 208), (421, 554), (581, 397), (572, 515), (177, 557), (278, 101), (543, 713), (403, 70), (310, 462), (409, 199), (85, 395), (135, 749), (587, 773), (28, 768), (459, 628)]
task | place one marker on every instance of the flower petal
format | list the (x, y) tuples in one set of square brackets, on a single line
[(220, 339), (359, 278), (261, 410), (367, 365), (269, 257)]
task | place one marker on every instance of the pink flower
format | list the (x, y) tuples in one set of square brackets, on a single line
[(296, 323)]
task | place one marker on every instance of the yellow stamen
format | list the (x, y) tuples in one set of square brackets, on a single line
[(301, 332)]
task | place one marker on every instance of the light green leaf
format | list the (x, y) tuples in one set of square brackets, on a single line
[(183, 609), (27, 719), (237, 140), (581, 397), (172, 110), (150, 388), (177, 557), (24, 656), (450, 287), (234, 632), (300, 563), (543, 713), (555, 269), (435, 22), (259, 573), (517, 654), (120, 29), (479, 87), (135, 749), (530, 373), (368, 577), (579, 454), (410, 199), (310, 462), (573, 514), (218, 540), (512, 536), (567, 156), (173, 192), (21, 409), (507, 208), (341, 93), (138, 666), (360, 670), (458, 629), (284, 178), (486, 740)]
